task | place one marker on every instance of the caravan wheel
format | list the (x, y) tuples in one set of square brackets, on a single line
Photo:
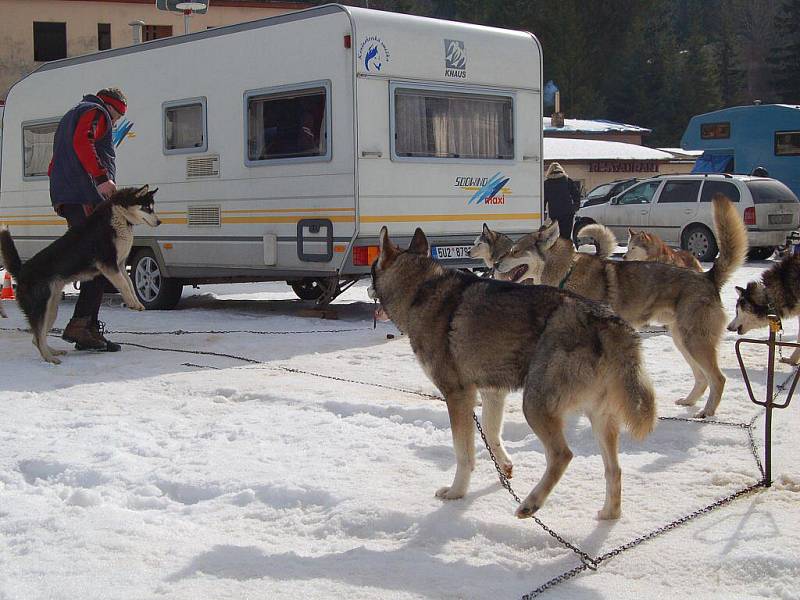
[(312, 289), (153, 290)]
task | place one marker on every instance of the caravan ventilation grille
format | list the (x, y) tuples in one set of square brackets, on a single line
[(202, 166), (204, 216)]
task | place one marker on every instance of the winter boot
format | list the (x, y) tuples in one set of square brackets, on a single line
[(84, 334)]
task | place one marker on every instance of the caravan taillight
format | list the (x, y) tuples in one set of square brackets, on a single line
[(364, 256), (347, 41), (750, 215)]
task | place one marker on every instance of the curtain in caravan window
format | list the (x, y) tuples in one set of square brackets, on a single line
[(37, 144), (453, 125), (184, 126)]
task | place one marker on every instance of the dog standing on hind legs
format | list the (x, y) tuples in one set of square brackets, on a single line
[(566, 353), (99, 246)]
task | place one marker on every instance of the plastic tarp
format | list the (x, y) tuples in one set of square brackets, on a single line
[(713, 163)]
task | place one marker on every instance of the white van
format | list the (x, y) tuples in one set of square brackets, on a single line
[(678, 209), (281, 146)]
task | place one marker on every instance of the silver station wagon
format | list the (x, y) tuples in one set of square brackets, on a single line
[(678, 209)]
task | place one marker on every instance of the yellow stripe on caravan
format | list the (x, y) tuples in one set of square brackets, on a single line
[(285, 210), (469, 217), (61, 222), (290, 219)]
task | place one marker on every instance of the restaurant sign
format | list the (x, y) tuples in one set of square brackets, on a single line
[(624, 166)]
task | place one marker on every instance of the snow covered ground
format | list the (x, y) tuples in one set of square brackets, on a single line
[(151, 474)]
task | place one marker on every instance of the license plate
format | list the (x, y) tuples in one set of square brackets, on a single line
[(779, 219), (450, 252)]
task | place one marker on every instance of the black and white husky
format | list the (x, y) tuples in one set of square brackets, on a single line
[(98, 246)]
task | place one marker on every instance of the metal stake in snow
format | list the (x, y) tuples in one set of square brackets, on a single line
[(769, 402)]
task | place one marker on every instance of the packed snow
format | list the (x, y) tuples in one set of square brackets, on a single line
[(310, 473)]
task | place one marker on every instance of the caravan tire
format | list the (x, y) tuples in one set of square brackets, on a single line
[(311, 288), (152, 289)]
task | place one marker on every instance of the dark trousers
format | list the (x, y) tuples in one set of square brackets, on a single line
[(565, 225), (91, 294)]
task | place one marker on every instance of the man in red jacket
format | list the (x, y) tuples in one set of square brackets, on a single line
[(82, 175)]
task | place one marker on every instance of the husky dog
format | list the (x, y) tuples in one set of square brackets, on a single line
[(566, 353), (687, 302), (648, 246), (491, 246), (98, 246), (777, 292)]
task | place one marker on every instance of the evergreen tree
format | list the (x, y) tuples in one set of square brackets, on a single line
[(785, 59)]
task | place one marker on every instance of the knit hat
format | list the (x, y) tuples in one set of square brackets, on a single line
[(555, 170)]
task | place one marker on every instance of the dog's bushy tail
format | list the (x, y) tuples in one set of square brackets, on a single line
[(638, 399), (11, 258), (605, 241), (731, 239)]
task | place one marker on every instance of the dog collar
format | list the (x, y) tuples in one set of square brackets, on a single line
[(566, 277)]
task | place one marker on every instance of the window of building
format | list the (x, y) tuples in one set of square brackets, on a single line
[(787, 143), (103, 36), (715, 131), (155, 32), (679, 191), (288, 123), (452, 125), (185, 126), (49, 41), (37, 147), (725, 188)]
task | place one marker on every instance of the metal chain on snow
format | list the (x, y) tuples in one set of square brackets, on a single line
[(587, 561)]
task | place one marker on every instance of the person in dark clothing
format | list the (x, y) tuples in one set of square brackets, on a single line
[(82, 174), (562, 198)]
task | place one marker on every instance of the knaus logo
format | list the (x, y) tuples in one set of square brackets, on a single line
[(455, 59), (373, 53)]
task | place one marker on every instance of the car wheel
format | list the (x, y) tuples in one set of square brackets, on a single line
[(760, 253), (699, 240), (152, 289)]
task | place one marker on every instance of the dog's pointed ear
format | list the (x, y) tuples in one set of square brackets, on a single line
[(548, 235), (153, 191), (740, 291), (488, 232), (142, 191), (631, 232), (388, 250), (419, 243)]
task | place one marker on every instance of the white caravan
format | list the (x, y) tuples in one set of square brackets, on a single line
[(281, 146)]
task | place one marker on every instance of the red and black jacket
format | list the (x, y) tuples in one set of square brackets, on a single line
[(83, 154)]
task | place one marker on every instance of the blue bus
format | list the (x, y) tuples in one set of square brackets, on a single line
[(742, 138)]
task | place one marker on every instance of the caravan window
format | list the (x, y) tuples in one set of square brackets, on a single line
[(37, 147), (787, 143), (454, 125), (185, 126), (287, 124), (715, 131)]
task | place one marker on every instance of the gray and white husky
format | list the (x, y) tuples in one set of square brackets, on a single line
[(566, 353), (98, 246), (685, 301), (777, 292)]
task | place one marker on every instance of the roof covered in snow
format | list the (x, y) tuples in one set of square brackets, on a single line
[(592, 126), (577, 149)]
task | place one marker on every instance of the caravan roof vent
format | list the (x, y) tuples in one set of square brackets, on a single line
[(204, 216), (202, 166)]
